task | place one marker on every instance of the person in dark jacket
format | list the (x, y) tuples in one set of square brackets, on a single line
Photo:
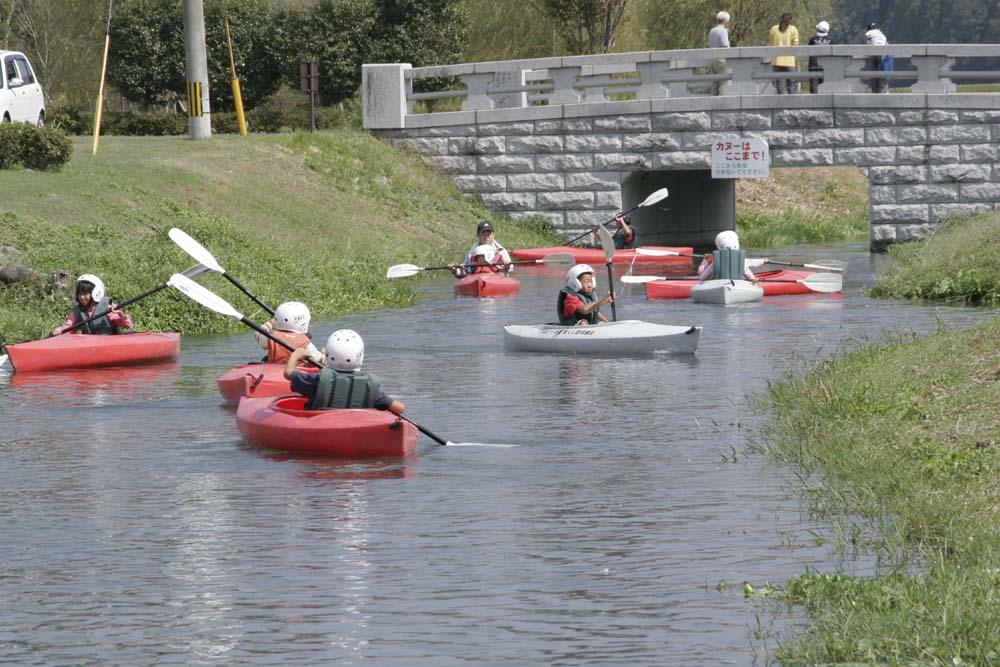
[(821, 38)]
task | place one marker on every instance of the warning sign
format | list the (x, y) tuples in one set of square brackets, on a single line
[(740, 157)]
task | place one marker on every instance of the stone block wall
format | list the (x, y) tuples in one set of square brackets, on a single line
[(925, 163)]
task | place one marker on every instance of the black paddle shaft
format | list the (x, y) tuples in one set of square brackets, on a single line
[(611, 290), (247, 292)]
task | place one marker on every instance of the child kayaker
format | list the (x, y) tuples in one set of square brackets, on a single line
[(481, 259), (624, 236), (341, 384), (578, 305), (486, 236), (729, 242), (91, 300), (291, 324)]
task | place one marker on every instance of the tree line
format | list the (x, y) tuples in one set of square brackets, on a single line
[(64, 38)]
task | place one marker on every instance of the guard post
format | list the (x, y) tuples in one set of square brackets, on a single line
[(309, 83)]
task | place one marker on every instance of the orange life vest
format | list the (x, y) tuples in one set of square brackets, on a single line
[(276, 354)]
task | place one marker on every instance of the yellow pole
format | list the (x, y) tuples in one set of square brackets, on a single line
[(237, 98), (100, 95)]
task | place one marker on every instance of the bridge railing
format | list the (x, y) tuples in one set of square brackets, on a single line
[(389, 97)]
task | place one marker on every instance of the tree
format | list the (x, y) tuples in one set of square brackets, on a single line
[(588, 26), (420, 32)]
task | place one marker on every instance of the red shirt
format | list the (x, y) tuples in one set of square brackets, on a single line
[(571, 304)]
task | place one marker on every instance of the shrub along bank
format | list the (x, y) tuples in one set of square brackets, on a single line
[(906, 435), (311, 217)]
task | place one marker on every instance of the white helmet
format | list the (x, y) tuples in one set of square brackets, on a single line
[(488, 252), (573, 276), (98, 292), (727, 240), (345, 350), (292, 316), (822, 27), (722, 17)]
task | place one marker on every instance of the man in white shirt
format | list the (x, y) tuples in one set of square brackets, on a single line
[(718, 38)]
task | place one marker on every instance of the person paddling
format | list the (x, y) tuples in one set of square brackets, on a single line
[(290, 324), (481, 259), (728, 262), (91, 300), (341, 384), (578, 305), (624, 236), (486, 236)]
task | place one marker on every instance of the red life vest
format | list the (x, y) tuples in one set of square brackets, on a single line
[(276, 354), (487, 267)]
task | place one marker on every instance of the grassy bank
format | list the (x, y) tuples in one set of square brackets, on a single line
[(793, 206), (959, 264), (316, 218), (907, 436)]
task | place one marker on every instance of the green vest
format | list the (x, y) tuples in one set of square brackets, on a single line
[(101, 324), (573, 319), (338, 390), (728, 264)]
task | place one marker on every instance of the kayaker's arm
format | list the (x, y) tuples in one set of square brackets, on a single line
[(588, 308), (293, 361)]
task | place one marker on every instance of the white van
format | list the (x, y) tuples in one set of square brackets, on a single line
[(21, 95)]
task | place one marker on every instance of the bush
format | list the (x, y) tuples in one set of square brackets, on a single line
[(70, 118), (38, 148), (145, 123)]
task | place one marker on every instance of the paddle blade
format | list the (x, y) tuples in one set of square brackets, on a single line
[(202, 295), (402, 271), (557, 258), (656, 253), (195, 249), (828, 265), (641, 279), (480, 444), (607, 244), (659, 195), (196, 271), (824, 282)]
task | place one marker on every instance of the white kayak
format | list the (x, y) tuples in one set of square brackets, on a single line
[(726, 291), (625, 336)]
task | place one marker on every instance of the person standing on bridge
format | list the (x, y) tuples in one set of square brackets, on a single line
[(875, 37), (783, 34), (821, 38), (718, 38)]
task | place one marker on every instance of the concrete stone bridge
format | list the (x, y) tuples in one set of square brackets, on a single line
[(574, 139)]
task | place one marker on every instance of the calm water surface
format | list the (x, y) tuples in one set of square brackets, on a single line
[(137, 528)]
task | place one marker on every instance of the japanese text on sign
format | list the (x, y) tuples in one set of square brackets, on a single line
[(740, 157)]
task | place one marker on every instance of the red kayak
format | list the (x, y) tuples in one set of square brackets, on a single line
[(89, 351), (775, 283), (486, 285), (596, 255), (283, 423), (260, 380)]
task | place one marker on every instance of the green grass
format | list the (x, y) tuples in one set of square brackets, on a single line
[(768, 230), (906, 436), (958, 264), (311, 217)]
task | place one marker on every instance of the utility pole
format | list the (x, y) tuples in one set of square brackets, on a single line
[(196, 66)]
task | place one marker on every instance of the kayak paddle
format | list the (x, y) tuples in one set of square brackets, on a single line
[(608, 245), (200, 253), (406, 270), (192, 273), (828, 265), (817, 282), (657, 196), (212, 301)]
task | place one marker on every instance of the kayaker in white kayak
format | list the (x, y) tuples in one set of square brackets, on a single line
[(91, 300), (578, 305), (727, 242), (290, 324), (341, 384), (481, 259), (486, 236)]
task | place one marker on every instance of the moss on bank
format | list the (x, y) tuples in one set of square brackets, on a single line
[(906, 435), (958, 264), (310, 217)]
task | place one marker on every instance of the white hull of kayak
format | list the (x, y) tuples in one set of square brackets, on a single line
[(626, 336), (726, 292), (4, 366)]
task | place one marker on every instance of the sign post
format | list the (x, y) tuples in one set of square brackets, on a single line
[(309, 84), (740, 157)]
